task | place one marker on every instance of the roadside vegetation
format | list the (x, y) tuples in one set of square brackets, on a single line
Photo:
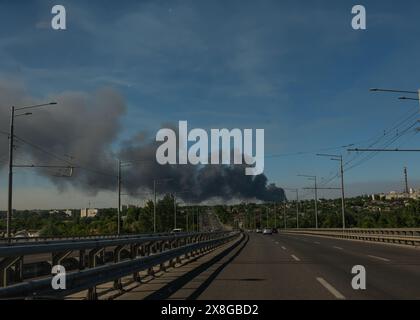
[(361, 212)]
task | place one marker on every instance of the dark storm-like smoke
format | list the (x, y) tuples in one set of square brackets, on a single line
[(81, 131)]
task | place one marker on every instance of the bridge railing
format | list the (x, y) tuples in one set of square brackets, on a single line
[(31, 240), (93, 262), (406, 236)]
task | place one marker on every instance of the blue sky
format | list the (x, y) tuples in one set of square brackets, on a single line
[(294, 68)]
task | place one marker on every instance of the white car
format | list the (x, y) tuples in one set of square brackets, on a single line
[(267, 231)]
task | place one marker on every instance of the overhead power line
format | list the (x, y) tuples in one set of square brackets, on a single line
[(62, 159)]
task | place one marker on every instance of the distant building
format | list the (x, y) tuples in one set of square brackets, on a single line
[(378, 197), (89, 213), (396, 195), (393, 195), (414, 194)]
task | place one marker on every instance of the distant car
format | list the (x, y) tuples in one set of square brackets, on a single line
[(275, 230), (258, 231), (267, 231), (176, 231), (21, 234)]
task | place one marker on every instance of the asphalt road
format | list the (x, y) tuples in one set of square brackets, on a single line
[(286, 266)]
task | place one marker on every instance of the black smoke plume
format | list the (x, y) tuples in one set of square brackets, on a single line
[(81, 132)]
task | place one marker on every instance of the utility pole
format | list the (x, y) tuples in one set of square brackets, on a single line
[(297, 204), (119, 199), (275, 216), (154, 206), (297, 208), (186, 218), (121, 165), (174, 196), (13, 115), (284, 215), (316, 205), (198, 219), (314, 178), (343, 207), (10, 193), (267, 218)]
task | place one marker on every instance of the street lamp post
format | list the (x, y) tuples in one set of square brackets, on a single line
[(10, 193), (13, 115), (186, 219), (267, 210), (343, 209), (275, 216), (198, 219), (314, 178), (297, 208), (154, 206), (255, 220), (119, 199), (174, 210), (316, 204), (284, 215), (297, 204), (400, 91), (121, 165), (155, 182)]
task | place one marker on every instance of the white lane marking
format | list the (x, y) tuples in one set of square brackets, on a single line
[(296, 258), (277, 242), (338, 248), (331, 289), (316, 242), (284, 248), (379, 258)]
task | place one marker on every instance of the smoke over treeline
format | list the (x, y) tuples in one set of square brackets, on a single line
[(82, 130)]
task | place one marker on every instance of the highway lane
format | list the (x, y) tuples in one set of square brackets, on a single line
[(288, 266), (393, 272), (263, 270)]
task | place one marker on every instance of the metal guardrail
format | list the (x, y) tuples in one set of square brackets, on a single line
[(144, 253), (90, 241), (397, 236), (65, 246), (31, 240)]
